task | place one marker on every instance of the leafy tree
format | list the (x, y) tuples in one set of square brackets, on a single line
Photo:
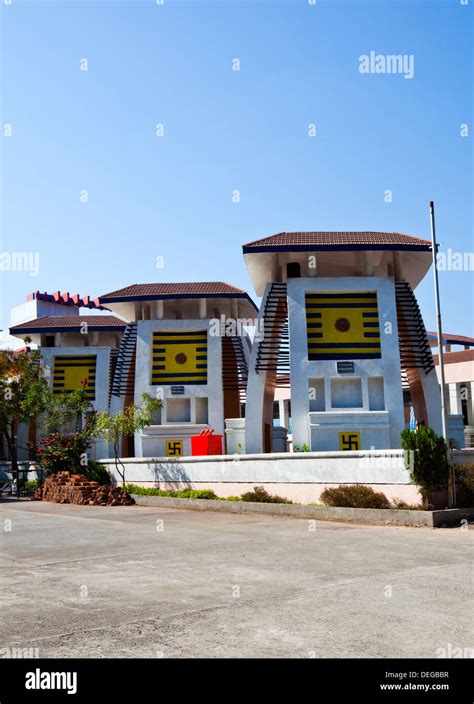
[(65, 411), (430, 464), (24, 395), (112, 427)]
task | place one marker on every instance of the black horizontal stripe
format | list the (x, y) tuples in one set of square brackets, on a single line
[(315, 334), (340, 295), (312, 315), (61, 367), (164, 382), (179, 375), (202, 333), (371, 334), (342, 305), (314, 325), (201, 366), (370, 325), (71, 357), (201, 357), (343, 345), (370, 315), (362, 355), (180, 342)]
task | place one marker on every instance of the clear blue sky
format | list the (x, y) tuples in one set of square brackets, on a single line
[(171, 196)]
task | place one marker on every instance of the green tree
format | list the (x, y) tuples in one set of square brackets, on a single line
[(112, 427), (24, 395), (430, 467)]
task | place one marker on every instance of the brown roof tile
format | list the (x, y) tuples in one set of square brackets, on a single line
[(452, 339), (340, 240), (455, 357), (174, 290), (69, 323)]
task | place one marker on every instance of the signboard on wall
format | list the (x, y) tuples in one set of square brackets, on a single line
[(174, 448), (345, 367), (349, 441)]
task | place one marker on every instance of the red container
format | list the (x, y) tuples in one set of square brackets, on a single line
[(206, 443)]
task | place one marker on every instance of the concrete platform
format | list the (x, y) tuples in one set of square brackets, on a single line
[(112, 582), (393, 517)]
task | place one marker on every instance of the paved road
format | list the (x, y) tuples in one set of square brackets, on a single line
[(136, 581)]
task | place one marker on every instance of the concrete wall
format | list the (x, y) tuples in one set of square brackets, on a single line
[(299, 476)]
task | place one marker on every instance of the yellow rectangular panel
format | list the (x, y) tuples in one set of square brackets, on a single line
[(179, 357), (342, 326), (71, 370)]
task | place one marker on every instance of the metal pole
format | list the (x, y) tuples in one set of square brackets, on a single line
[(440, 338)]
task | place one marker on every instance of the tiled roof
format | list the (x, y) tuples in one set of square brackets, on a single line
[(287, 241), (451, 339), (204, 289), (69, 323), (455, 357)]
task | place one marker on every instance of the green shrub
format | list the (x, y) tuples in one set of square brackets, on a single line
[(354, 496), (464, 485), (177, 494), (96, 472), (430, 468), (260, 495), (402, 505), (33, 484), (196, 494), (233, 498)]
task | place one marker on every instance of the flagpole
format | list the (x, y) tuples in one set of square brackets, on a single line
[(439, 329), (438, 324)]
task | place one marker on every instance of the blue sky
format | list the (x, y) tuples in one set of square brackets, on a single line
[(171, 196)]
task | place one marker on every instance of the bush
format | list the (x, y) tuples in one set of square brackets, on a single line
[(354, 496), (260, 495), (430, 465), (63, 452), (464, 485), (233, 498), (33, 484), (96, 472), (402, 505), (178, 494)]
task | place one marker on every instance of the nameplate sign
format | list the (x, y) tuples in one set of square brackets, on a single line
[(177, 390), (345, 367)]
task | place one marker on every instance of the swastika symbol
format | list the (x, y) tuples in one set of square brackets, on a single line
[(174, 448), (349, 441)]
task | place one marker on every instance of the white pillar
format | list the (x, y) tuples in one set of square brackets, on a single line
[(283, 413), (470, 403), (368, 264), (159, 310), (235, 309), (202, 308), (455, 406)]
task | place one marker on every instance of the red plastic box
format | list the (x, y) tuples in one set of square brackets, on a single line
[(206, 443)]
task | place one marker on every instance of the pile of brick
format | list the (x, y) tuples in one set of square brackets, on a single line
[(65, 488)]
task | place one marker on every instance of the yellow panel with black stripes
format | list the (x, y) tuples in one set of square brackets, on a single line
[(342, 326), (179, 357), (70, 371)]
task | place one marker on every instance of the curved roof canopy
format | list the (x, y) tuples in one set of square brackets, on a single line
[(337, 254), (180, 291)]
